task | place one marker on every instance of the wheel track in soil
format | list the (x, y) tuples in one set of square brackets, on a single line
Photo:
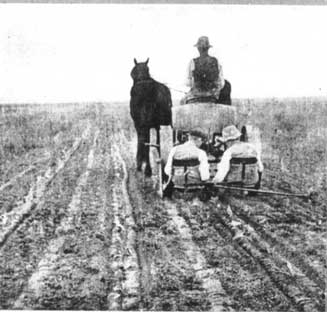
[(11, 220), (48, 263), (137, 211), (139, 207), (216, 295), (125, 292), (145, 268), (287, 251), (16, 177), (221, 251), (257, 249)]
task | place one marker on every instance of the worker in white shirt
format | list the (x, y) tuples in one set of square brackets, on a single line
[(187, 151), (235, 149)]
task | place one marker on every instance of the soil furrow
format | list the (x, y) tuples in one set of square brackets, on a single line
[(144, 263), (48, 263), (168, 280), (287, 250), (25, 246), (11, 220), (246, 284), (82, 277), (115, 256), (299, 279), (86, 231), (125, 294), (216, 293), (14, 179), (131, 284), (271, 264), (14, 195), (137, 212)]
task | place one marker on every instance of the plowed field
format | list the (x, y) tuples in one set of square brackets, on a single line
[(81, 229)]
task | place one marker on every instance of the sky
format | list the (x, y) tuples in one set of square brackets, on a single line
[(84, 52)]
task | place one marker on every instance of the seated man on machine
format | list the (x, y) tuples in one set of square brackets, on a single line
[(205, 76), (191, 154), (235, 149)]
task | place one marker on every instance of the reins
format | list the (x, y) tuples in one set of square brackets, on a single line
[(166, 84), (180, 91)]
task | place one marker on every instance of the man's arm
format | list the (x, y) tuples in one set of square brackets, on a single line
[(221, 80), (260, 165), (169, 164), (221, 76), (204, 166), (223, 167), (189, 76)]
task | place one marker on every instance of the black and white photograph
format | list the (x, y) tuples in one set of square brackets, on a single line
[(163, 156)]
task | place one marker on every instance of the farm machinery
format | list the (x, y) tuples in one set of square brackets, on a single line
[(210, 118)]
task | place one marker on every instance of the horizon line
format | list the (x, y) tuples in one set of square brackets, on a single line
[(194, 2), (174, 100)]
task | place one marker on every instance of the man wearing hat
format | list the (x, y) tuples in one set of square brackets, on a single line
[(191, 150), (205, 75), (235, 148)]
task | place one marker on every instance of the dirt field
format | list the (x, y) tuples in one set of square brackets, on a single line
[(80, 229)]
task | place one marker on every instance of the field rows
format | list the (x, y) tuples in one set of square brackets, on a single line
[(86, 231)]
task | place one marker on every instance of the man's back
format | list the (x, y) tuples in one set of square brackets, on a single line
[(237, 150), (205, 73), (188, 151), (243, 149)]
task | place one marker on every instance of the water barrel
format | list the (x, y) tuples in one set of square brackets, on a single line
[(209, 117)]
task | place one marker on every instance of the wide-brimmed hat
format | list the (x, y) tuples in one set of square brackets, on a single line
[(198, 133), (230, 133), (203, 42)]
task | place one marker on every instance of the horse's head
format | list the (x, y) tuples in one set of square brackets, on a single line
[(140, 71)]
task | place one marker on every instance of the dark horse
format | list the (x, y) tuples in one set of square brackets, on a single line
[(150, 107)]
